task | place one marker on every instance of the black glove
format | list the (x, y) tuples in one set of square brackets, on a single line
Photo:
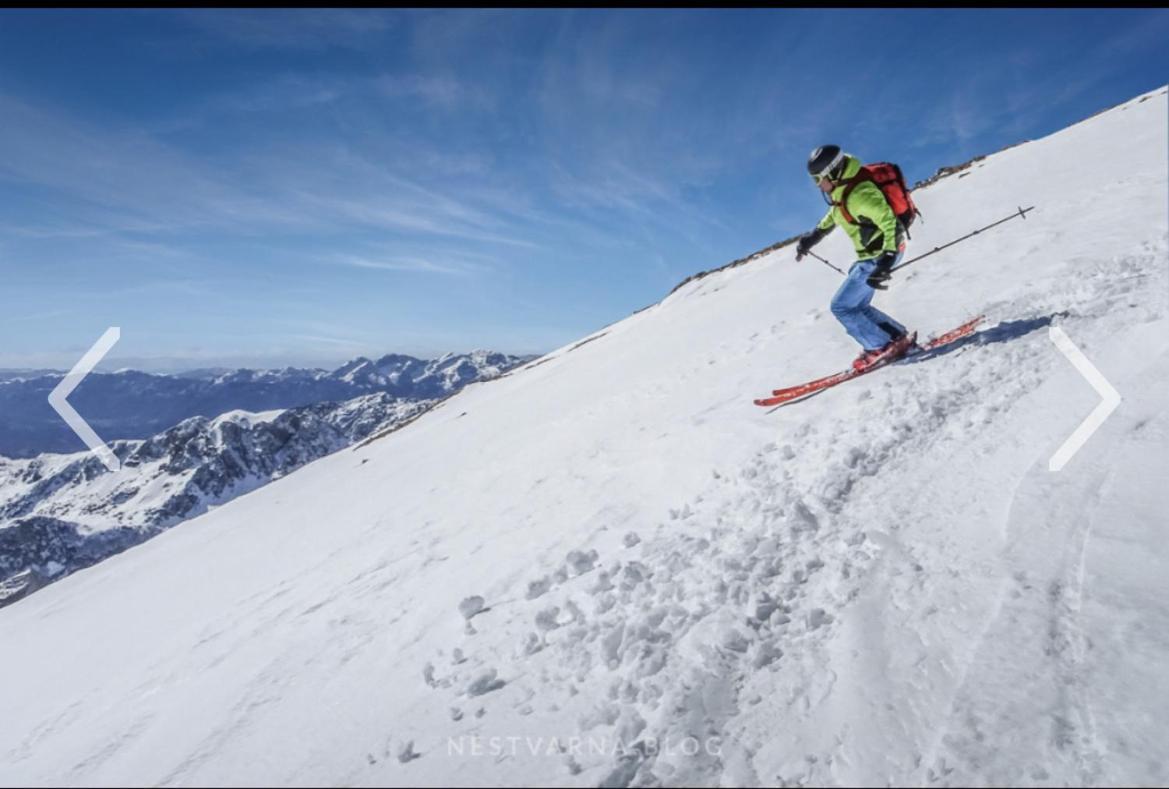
[(809, 240), (881, 275)]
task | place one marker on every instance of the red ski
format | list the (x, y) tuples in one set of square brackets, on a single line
[(793, 393)]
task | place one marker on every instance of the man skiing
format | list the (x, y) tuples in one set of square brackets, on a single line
[(861, 207)]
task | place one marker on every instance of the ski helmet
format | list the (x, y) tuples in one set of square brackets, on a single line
[(827, 160)]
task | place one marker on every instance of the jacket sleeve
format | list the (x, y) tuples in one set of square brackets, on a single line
[(828, 222), (868, 201)]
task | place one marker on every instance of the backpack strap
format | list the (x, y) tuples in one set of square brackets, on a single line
[(866, 175), (852, 183)]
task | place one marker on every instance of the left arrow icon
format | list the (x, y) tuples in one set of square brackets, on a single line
[(58, 398)]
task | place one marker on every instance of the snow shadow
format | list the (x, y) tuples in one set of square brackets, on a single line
[(1002, 332)]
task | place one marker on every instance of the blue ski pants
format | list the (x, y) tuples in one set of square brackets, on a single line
[(851, 305)]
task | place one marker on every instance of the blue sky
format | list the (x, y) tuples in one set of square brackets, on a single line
[(248, 187)]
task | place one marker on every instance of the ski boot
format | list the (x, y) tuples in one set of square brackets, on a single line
[(894, 349)]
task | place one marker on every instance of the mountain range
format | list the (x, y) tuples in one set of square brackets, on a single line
[(130, 404), (62, 512)]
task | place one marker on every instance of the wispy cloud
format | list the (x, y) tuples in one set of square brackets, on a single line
[(441, 91), (129, 182), (401, 264), (1011, 93), (302, 29), (123, 179), (282, 93), (36, 316), (343, 342), (314, 91), (1149, 32)]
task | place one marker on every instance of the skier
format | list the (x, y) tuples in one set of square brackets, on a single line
[(860, 206)]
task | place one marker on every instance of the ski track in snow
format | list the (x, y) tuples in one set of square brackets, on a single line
[(751, 576)]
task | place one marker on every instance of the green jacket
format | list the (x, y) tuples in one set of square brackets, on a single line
[(876, 229)]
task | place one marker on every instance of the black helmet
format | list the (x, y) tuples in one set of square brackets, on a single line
[(827, 160)]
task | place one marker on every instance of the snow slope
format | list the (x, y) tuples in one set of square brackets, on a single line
[(59, 513), (609, 567)]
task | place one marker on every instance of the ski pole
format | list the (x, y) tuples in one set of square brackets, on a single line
[(826, 263), (1021, 212)]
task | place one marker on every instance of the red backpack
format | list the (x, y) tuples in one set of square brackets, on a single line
[(888, 179)]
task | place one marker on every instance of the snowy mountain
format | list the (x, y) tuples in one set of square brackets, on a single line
[(59, 513), (132, 404), (610, 568)]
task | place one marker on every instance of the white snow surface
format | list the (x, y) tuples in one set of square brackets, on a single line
[(612, 545)]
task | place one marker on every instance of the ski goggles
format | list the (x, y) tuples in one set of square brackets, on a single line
[(824, 175)]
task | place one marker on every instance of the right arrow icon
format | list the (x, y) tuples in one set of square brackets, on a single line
[(1099, 413)]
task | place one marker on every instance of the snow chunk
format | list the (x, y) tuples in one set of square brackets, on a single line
[(485, 683), (471, 605), (818, 617), (581, 562), (538, 587), (406, 752), (733, 640)]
